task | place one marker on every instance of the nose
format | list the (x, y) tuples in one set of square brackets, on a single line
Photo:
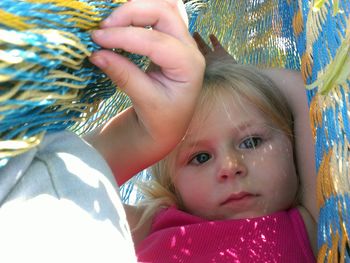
[(232, 165)]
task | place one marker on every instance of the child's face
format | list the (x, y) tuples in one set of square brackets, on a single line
[(234, 164)]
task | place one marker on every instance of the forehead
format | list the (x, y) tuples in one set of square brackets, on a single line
[(222, 106), (224, 117)]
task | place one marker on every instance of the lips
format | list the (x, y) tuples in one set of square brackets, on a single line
[(238, 197)]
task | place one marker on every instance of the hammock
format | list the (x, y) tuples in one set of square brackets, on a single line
[(47, 85)]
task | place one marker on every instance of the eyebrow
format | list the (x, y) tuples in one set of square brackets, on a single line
[(241, 128)]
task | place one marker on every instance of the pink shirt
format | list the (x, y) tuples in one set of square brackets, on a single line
[(180, 237)]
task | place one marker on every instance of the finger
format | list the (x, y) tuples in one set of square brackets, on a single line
[(120, 70), (163, 16), (202, 46), (215, 42), (150, 43)]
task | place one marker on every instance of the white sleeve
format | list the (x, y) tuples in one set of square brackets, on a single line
[(60, 203)]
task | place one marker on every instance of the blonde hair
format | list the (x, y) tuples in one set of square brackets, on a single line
[(241, 81)]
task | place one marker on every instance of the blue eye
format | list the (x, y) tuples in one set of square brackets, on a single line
[(250, 143), (200, 158)]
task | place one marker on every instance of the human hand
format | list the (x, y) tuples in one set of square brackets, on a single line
[(163, 99), (217, 53)]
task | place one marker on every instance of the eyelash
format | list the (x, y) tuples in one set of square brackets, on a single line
[(193, 159), (251, 140)]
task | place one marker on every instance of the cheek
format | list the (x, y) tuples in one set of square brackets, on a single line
[(278, 155), (275, 163), (287, 188), (192, 186), (284, 166), (284, 180), (185, 183)]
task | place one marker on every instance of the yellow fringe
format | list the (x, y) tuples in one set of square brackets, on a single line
[(14, 21), (306, 66), (344, 242), (333, 253), (322, 252), (73, 4), (325, 187), (298, 25), (315, 114)]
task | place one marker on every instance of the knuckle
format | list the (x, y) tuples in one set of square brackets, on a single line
[(120, 78)]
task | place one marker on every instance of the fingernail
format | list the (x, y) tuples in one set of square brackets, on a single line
[(108, 20), (99, 61), (105, 22), (97, 33)]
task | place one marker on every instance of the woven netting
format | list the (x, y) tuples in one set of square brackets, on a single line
[(322, 30), (46, 83)]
